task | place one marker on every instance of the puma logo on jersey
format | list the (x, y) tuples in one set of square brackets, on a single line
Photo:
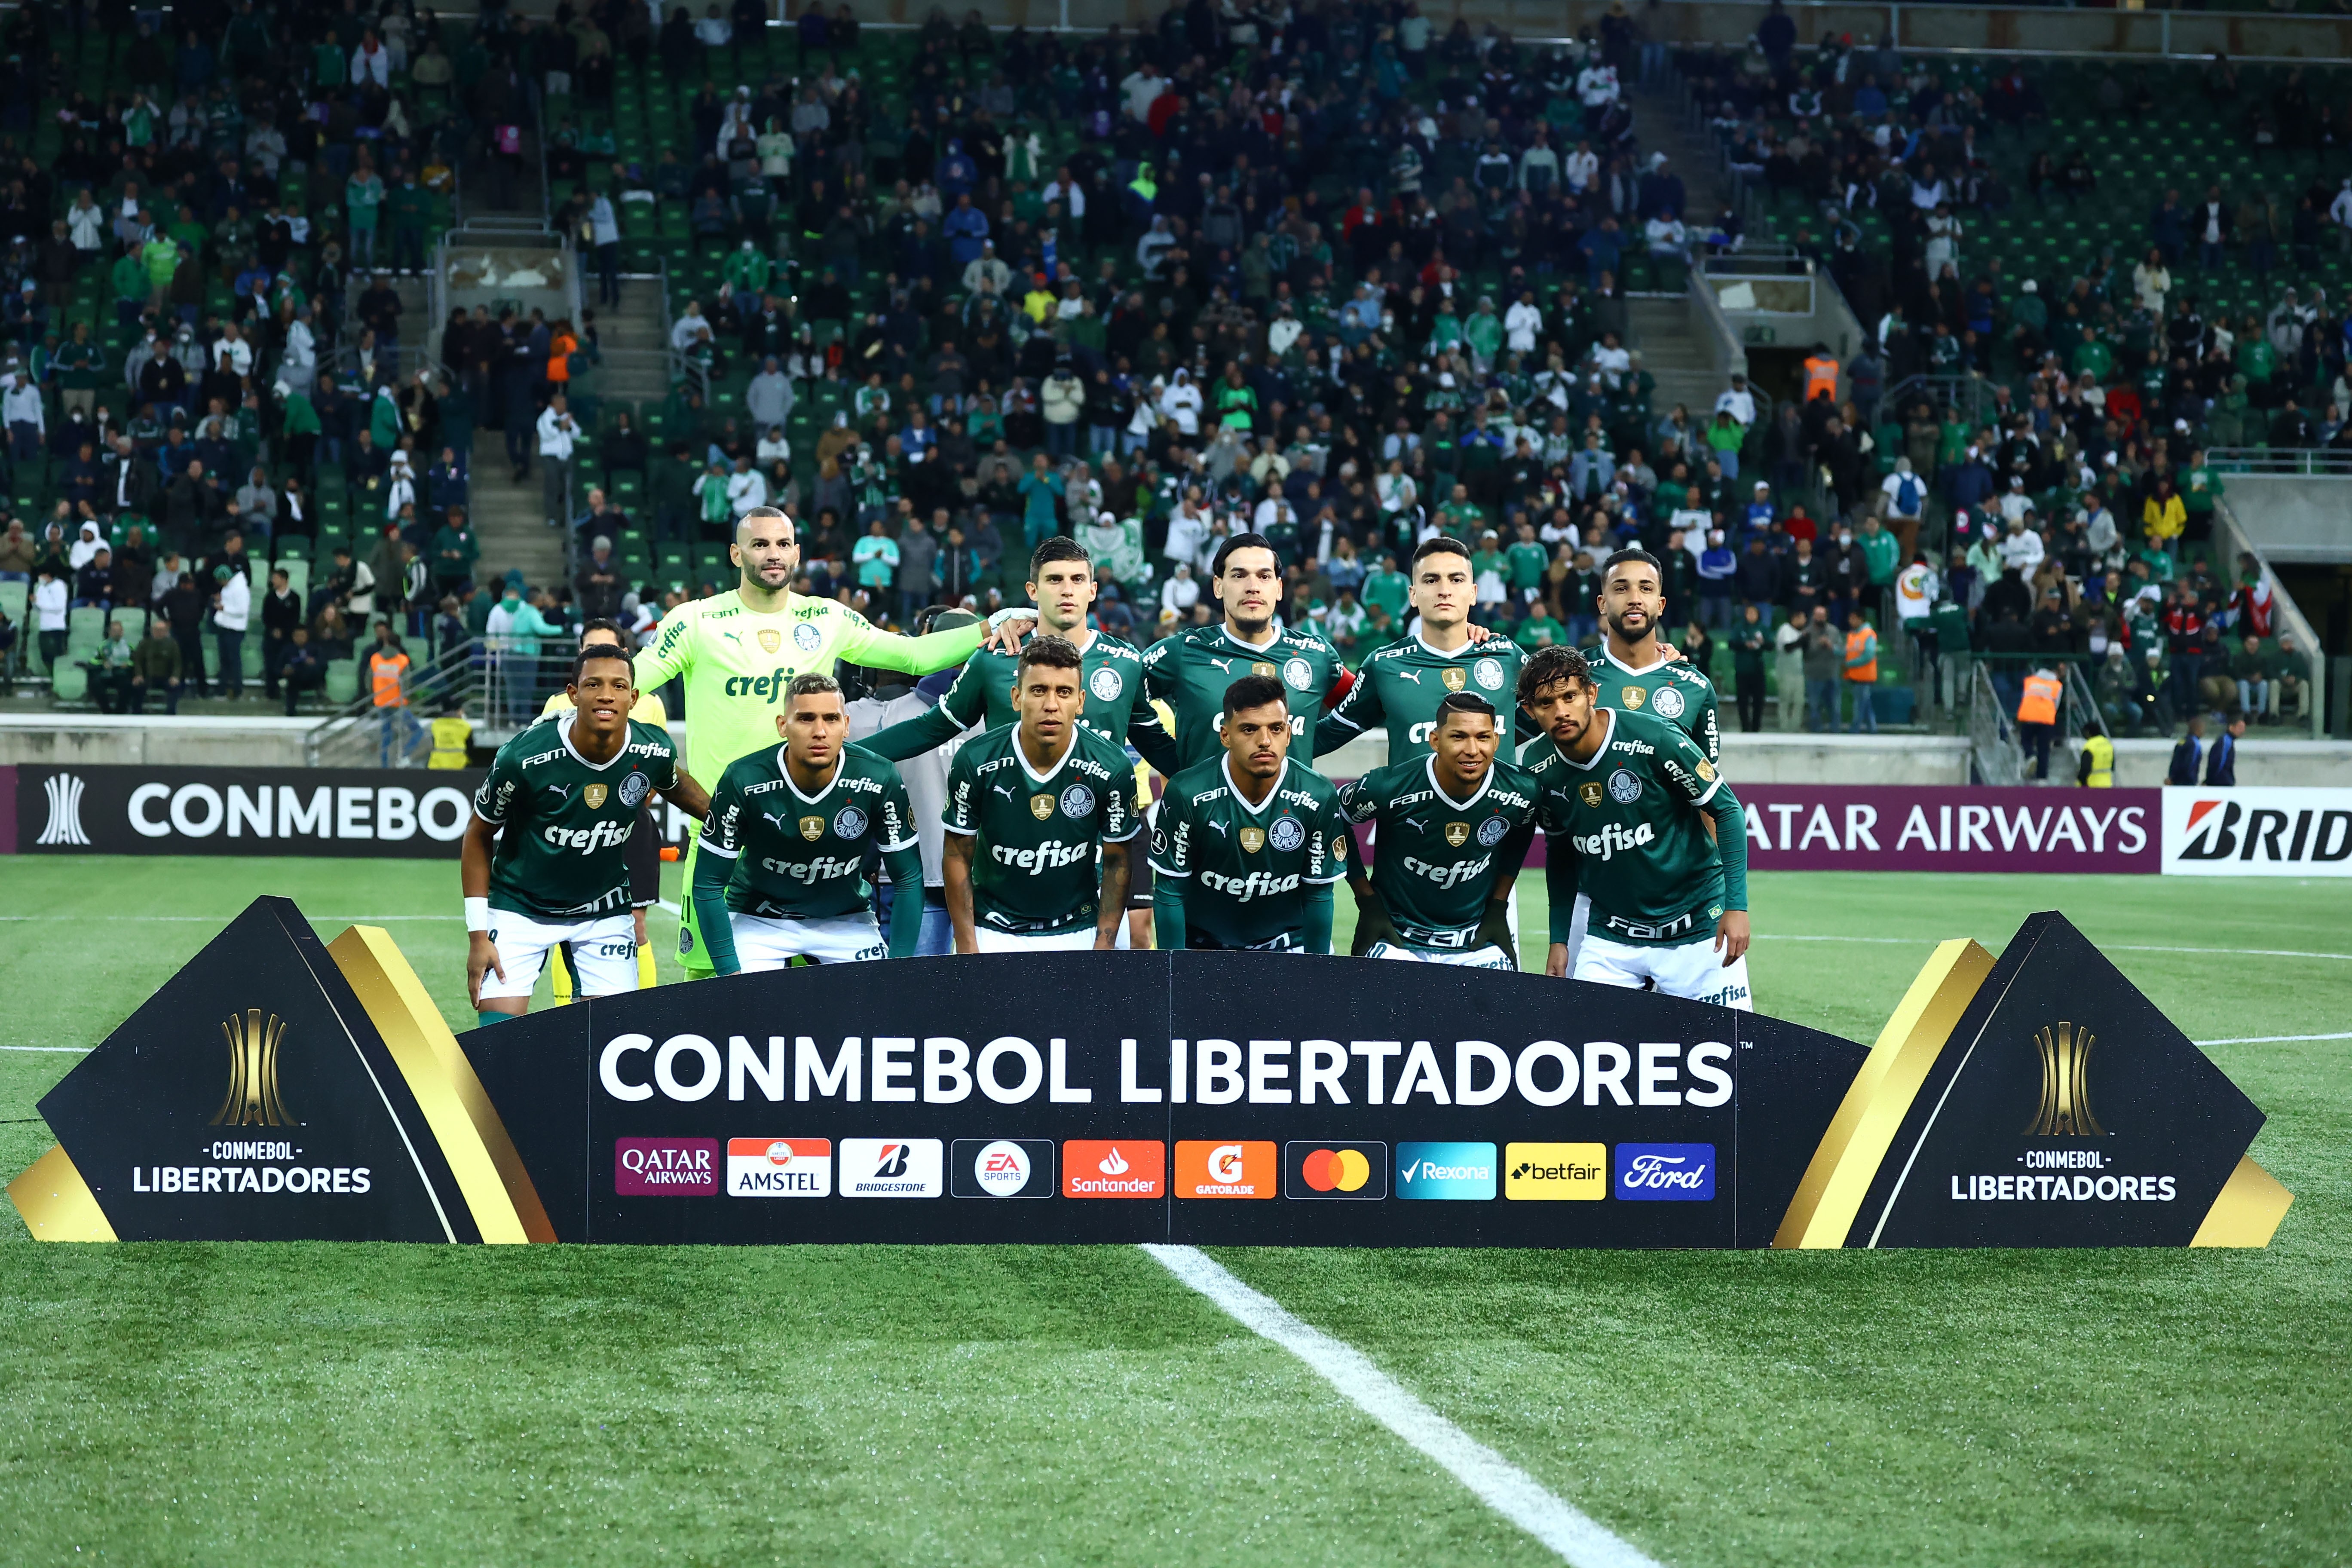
[(1224, 666), (1414, 822), (1219, 827), (1412, 675), (1001, 790)]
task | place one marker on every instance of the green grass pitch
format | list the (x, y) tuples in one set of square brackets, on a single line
[(311, 1404)]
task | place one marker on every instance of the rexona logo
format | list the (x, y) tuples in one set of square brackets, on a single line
[(779, 1167), (1114, 1168), (1343, 1171), (1001, 1167), (1459, 1173), (1206, 1169), (666, 1167), (1666, 1173), (1555, 1172), (890, 1168)]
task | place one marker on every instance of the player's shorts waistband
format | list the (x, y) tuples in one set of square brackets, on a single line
[(1692, 925), (1439, 939)]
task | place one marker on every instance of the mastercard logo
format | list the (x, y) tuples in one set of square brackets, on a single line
[(1336, 1169), (1328, 1171)]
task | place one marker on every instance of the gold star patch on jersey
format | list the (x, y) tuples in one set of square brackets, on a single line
[(1454, 679), (1591, 794), (595, 795), (1633, 697), (1041, 807), (1457, 833), (1252, 840), (771, 640), (811, 828), (1261, 667)]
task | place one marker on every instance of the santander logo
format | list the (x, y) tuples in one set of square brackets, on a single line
[(1112, 1163), (1114, 1168)]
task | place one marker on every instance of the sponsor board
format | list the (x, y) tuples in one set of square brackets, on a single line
[(412, 813), (1555, 1172), (666, 1167), (1458, 1173), (1001, 1168), (779, 1168), (1114, 1168), (2258, 832), (890, 1168), (1216, 1169), (1664, 1173), (1316, 1169), (1895, 827)]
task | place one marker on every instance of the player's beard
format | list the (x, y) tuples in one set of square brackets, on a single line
[(1633, 639)]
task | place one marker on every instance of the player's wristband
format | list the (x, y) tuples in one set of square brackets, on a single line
[(1012, 613), (478, 914)]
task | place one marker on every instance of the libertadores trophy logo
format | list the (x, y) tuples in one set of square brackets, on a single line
[(2065, 1108), (63, 791), (253, 1099)]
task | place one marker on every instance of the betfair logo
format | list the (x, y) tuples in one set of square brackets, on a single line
[(253, 1099), (2065, 1108)]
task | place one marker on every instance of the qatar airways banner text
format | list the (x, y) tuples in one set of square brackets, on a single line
[(1895, 828)]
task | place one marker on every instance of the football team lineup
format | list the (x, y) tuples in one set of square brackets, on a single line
[(1043, 836)]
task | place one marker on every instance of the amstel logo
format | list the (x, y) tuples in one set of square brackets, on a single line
[(2065, 1108), (253, 1099)]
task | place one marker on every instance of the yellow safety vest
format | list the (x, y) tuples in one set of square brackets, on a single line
[(2102, 752), (450, 735)]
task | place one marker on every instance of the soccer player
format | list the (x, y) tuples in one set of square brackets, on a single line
[(644, 844), (1632, 669), (1628, 801), (1191, 670), (783, 870), (1062, 584), (1246, 845), (739, 650), (546, 858), (1401, 684), (1029, 808), (1454, 827)]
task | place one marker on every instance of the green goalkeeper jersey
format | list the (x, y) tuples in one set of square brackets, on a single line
[(736, 663), (1033, 867), (1245, 868), (565, 822), (802, 856), (1632, 826), (1436, 860), (1401, 684), (1110, 672), (1191, 670), (1670, 689)]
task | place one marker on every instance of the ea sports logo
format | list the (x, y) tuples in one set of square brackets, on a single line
[(1002, 1168)]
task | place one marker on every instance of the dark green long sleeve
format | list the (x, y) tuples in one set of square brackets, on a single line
[(905, 868), (710, 874), (1318, 918), (1559, 884), (1168, 912), (1731, 844)]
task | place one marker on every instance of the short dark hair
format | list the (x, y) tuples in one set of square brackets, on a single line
[(602, 623), (1463, 703), (810, 683), (1634, 554), (1244, 541), (594, 651), (1060, 547), (1252, 692), (1550, 665), (1440, 544), (1052, 652)]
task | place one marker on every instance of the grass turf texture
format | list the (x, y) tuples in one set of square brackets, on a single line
[(297, 1404)]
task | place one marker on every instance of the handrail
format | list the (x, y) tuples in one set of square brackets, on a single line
[(1992, 736), (2232, 535), (2297, 462), (344, 738)]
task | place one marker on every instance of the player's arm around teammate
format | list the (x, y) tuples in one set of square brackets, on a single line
[(547, 846)]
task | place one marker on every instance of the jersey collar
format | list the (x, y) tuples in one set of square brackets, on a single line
[(1429, 768), (563, 731), (1599, 752), (1262, 807), (1612, 661), (1271, 643), (1435, 652), (1021, 757), (784, 767)]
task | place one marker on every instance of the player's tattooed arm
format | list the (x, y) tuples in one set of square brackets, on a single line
[(955, 864), (1116, 878), (688, 795)]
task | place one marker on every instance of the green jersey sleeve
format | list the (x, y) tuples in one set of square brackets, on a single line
[(961, 813), (722, 827), (1334, 843), (964, 705), (494, 800), (896, 829), (1171, 837), (1359, 711), (1115, 807)]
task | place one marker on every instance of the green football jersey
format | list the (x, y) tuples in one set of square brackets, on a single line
[(1245, 869), (1669, 689), (1033, 869), (1191, 670), (1401, 684), (802, 856), (562, 851), (1110, 672), (1436, 860), (1635, 817)]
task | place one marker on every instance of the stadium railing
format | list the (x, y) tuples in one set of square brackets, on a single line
[(1992, 734)]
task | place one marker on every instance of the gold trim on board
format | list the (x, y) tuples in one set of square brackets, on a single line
[(497, 1190), (57, 1203), (1839, 1176), (2247, 1210)]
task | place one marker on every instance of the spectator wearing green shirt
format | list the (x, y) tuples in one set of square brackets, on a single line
[(1460, 516), (1541, 629), (1041, 487), (409, 207), (1237, 401), (1483, 333), (875, 560), (161, 259), (1386, 590), (2201, 486), (1524, 565), (1489, 579), (363, 196), (131, 288), (1882, 553), (78, 365)]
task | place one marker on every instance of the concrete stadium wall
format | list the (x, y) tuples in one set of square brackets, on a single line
[(155, 741), (2294, 518)]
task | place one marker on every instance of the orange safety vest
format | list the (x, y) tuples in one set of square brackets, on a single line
[(384, 671), (2040, 705), (1821, 376), (559, 358), (1860, 674)]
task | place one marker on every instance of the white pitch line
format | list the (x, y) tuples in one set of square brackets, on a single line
[(2272, 1039), (60, 1050), (2105, 946), (223, 919), (1493, 1479)]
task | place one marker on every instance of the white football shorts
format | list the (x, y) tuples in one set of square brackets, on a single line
[(1692, 970), (602, 951), (761, 943)]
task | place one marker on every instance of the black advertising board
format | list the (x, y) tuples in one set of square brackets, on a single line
[(278, 1088), (408, 813)]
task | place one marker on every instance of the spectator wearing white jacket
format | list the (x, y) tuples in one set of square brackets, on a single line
[(556, 432), (1181, 402), (1521, 324), (1181, 592), (232, 608)]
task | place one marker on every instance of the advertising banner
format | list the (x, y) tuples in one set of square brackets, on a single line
[(2258, 832), (1901, 827), (278, 1088), (125, 810)]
